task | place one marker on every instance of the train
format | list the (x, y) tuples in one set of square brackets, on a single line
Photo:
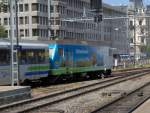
[(49, 61)]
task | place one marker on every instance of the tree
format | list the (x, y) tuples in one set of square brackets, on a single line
[(3, 34), (3, 7), (146, 49)]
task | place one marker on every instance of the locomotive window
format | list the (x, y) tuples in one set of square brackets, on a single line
[(4, 56), (60, 51), (50, 51)]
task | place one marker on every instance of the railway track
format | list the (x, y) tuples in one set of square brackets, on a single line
[(39, 91), (36, 103), (118, 72), (127, 103)]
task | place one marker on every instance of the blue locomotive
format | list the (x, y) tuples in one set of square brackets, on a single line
[(76, 60)]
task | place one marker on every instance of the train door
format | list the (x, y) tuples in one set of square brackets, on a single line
[(5, 77)]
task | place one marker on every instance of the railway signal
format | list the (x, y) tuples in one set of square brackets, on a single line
[(96, 6), (98, 18)]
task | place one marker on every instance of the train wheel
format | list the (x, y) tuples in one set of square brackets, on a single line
[(87, 77), (27, 82), (102, 76), (99, 75)]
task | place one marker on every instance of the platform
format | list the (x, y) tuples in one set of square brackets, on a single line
[(9, 94), (144, 108)]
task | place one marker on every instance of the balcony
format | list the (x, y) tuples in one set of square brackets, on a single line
[(58, 2)]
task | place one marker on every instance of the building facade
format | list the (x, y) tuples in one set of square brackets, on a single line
[(32, 19), (148, 26), (108, 32), (137, 28), (36, 18)]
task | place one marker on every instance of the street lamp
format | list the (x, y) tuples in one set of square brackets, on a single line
[(17, 39), (12, 43)]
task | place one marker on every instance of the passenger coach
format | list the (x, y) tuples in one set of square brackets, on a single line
[(33, 61)]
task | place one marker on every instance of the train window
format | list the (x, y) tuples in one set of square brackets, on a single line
[(46, 54), (23, 57), (33, 56), (4, 56), (41, 56)]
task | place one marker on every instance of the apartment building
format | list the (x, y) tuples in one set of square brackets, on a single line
[(112, 32), (32, 19)]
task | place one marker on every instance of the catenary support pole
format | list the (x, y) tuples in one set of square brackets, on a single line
[(12, 37)]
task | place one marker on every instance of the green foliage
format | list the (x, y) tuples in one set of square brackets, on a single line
[(3, 34), (146, 49), (4, 6)]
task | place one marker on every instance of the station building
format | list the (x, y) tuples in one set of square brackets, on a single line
[(35, 22)]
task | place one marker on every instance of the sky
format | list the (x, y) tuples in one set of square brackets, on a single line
[(122, 2)]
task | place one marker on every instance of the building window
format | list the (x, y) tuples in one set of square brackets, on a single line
[(52, 33), (41, 7), (40, 20), (52, 9), (6, 33), (142, 40), (5, 9), (21, 20), (21, 7), (140, 22), (45, 20), (27, 32), (57, 21), (35, 19), (52, 21), (131, 40), (131, 23), (35, 7), (21, 33), (5, 21), (35, 32), (142, 31), (26, 7), (26, 20)]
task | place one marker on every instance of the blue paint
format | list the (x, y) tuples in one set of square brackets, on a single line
[(73, 53), (36, 73)]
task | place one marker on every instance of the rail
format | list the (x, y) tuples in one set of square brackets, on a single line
[(36, 103)]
